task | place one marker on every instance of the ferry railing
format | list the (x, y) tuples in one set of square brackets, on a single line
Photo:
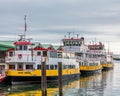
[(26, 58)]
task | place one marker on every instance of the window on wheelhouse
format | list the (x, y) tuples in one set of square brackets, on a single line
[(38, 66), (44, 53), (10, 54), (59, 54), (47, 66), (53, 54), (2, 67), (25, 47), (29, 66), (11, 66), (38, 53), (22, 47), (51, 66)]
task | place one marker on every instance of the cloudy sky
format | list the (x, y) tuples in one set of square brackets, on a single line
[(49, 20)]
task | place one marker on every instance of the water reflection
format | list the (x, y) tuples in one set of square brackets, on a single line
[(94, 85)]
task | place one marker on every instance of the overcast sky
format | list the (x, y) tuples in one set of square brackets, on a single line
[(49, 20)]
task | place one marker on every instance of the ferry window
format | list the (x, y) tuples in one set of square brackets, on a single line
[(53, 54), (73, 43), (11, 66), (77, 43), (67, 43), (20, 48), (38, 53), (17, 47), (80, 63), (10, 54), (73, 66), (66, 66), (51, 67), (63, 67), (70, 66), (44, 53), (47, 66), (56, 67), (64, 43), (25, 47), (20, 66), (59, 55), (2, 67), (38, 66), (29, 66), (70, 43)]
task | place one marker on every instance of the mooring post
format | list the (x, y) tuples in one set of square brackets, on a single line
[(43, 79), (60, 78)]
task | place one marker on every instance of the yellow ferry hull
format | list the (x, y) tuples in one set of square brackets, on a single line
[(107, 66), (90, 69), (27, 76)]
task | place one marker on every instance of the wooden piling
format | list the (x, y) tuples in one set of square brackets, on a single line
[(60, 78), (43, 79)]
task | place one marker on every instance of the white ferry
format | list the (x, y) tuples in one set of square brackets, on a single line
[(108, 64), (25, 60), (89, 60)]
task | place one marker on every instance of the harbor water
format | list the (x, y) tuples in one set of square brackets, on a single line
[(106, 83)]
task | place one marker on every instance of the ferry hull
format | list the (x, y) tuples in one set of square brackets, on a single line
[(90, 71), (35, 79), (107, 66)]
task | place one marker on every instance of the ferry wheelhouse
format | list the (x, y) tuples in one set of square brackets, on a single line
[(25, 60), (89, 60)]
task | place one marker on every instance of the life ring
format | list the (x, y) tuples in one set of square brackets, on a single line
[(19, 56)]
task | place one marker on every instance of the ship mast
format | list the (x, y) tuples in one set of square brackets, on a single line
[(25, 27), (108, 46)]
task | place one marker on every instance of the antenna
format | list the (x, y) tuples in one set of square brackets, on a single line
[(77, 35), (95, 41), (69, 34), (108, 46), (73, 34), (64, 36), (25, 26)]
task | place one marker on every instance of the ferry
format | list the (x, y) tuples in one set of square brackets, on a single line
[(25, 62), (89, 60), (108, 64)]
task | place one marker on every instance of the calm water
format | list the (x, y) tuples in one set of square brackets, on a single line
[(106, 83)]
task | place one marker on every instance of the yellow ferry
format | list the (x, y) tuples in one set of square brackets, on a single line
[(108, 64), (89, 60), (25, 60)]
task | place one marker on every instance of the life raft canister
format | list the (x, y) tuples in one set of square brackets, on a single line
[(19, 56)]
